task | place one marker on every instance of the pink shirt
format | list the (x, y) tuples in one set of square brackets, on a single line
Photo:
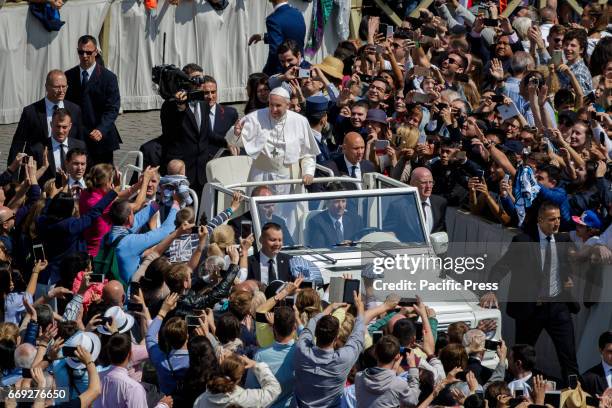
[(120, 391), (93, 289), (101, 226)]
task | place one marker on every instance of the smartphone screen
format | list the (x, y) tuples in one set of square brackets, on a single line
[(350, 286), (134, 288), (491, 22), (39, 252), (407, 302), (381, 145), (304, 73), (306, 284), (553, 398), (192, 320), (59, 182), (260, 317), (69, 351), (377, 335), (518, 392), (26, 373), (557, 57), (96, 278), (492, 345), (429, 32), (246, 229), (498, 98), (572, 381), (134, 307)]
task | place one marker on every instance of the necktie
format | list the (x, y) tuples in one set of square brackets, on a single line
[(547, 265), (85, 78), (55, 107), (197, 114), (353, 171), (271, 271), (339, 234), (62, 157), (424, 205)]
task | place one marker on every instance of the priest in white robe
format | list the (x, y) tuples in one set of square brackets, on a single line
[(280, 142)]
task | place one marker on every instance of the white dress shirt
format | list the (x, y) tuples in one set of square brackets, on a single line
[(211, 115), (426, 205), (80, 183), (195, 109), (280, 5), (90, 71), (263, 267), (349, 167), (49, 110), (55, 145), (554, 278), (607, 372)]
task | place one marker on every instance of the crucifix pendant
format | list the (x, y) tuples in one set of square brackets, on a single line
[(274, 152)]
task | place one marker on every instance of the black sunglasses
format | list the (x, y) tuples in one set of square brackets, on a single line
[(83, 52)]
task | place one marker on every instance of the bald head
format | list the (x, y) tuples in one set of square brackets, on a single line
[(353, 147), (56, 85), (24, 355), (113, 293), (422, 179), (7, 218), (248, 285)]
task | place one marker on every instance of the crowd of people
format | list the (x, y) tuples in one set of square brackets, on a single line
[(122, 296)]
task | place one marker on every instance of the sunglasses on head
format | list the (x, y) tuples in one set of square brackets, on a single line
[(83, 52)]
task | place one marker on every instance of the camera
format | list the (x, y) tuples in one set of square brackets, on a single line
[(170, 79)]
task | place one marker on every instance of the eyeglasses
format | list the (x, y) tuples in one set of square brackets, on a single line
[(453, 61), (83, 52), (378, 88)]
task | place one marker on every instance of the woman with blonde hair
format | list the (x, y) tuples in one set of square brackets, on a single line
[(221, 238), (404, 143), (308, 304)]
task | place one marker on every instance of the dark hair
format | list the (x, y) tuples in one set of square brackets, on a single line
[(120, 212), (70, 265), (75, 151), (327, 330), (453, 355), (257, 190), (495, 389), (289, 45), (605, 339), (61, 114), (228, 328), (563, 96), (119, 346), (270, 226), (579, 35), (253, 103), (405, 331), (206, 79), (67, 328), (526, 354), (175, 332), (602, 53), (284, 321), (230, 373), (362, 103), (315, 117), (474, 401), (60, 208), (553, 172), (44, 315), (191, 68), (386, 349), (547, 205), (84, 39), (154, 275), (240, 303), (7, 354), (203, 365), (388, 88)]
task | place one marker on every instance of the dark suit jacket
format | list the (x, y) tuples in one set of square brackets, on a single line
[(399, 219), (320, 229), (181, 139), (594, 380), (39, 149), (100, 102), (338, 166), (32, 127), (225, 117), (237, 222), (285, 23), (282, 263), (524, 260), (481, 372)]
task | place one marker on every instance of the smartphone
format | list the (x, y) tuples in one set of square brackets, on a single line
[(26, 373), (492, 345), (103, 320), (414, 22), (553, 398), (59, 181), (246, 229), (403, 33), (366, 79), (350, 286), (498, 98), (421, 71), (420, 98), (381, 145), (192, 320), (68, 351), (572, 381), (480, 174), (306, 284), (429, 32), (24, 160), (557, 57), (134, 307), (96, 278), (195, 229), (518, 392), (134, 288), (462, 78), (260, 317), (304, 73), (602, 138), (506, 177), (289, 301), (382, 28), (389, 31), (590, 97), (376, 335), (407, 302), (39, 252), (490, 22)]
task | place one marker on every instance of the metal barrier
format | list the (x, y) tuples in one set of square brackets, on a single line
[(125, 168)]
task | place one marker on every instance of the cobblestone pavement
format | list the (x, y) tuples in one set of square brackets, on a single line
[(135, 129)]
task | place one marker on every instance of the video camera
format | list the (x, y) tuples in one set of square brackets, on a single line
[(170, 79)]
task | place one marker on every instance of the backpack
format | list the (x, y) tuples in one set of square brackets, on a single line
[(105, 262)]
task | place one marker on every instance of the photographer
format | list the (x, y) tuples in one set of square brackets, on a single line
[(186, 130)]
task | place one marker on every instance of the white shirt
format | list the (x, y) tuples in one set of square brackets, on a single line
[(428, 214), (55, 145), (521, 384), (263, 267), (607, 372), (211, 115), (80, 182), (349, 168), (554, 278), (280, 5), (49, 108), (317, 135), (90, 71)]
